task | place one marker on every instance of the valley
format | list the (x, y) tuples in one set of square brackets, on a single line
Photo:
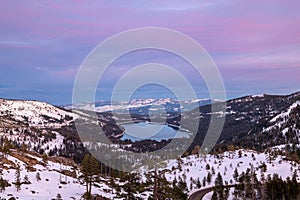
[(260, 139)]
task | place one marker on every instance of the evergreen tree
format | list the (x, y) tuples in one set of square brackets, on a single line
[(179, 163), (90, 170), (6, 146), (248, 187), (18, 178), (3, 184), (207, 167), (213, 172), (179, 191), (276, 188), (240, 153), (58, 197), (219, 188), (26, 179), (219, 180), (198, 183), (38, 176), (208, 177), (235, 174), (204, 181), (130, 187), (159, 185)]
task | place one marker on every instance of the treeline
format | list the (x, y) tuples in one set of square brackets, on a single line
[(131, 186), (248, 187)]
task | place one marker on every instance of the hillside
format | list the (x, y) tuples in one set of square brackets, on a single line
[(254, 121), (46, 179)]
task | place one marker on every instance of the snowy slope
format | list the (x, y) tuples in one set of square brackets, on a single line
[(34, 112), (38, 125), (286, 113), (286, 124), (49, 185), (194, 167)]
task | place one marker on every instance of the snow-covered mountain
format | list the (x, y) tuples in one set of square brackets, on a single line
[(34, 113), (258, 121), (140, 105), (38, 125)]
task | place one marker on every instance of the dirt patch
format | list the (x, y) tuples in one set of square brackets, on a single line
[(25, 158)]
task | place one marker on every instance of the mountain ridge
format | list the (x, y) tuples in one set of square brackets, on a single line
[(246, 116)]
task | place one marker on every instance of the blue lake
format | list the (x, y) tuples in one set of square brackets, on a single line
[(142, 131)]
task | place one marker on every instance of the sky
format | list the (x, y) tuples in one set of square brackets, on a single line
[(255, 44)]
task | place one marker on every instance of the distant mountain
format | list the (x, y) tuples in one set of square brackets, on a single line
[(142, 106)]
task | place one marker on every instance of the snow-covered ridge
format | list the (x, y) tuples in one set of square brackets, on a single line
[(38, 125), (34, 112), (279, 121), (258, 96), (286, 113), (105, 106)]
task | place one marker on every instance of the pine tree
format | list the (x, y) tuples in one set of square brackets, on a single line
[(226, 193), (179, 163), (219, 180), (248, 188), (213, 172), (160, 187), (3, 184), (191, 186), (240, 153), (6, 148), (58, 197), (235, 174), (207, 167), (214, 196), (219, 188), (26, 179), (198, 183), (179, 191), (204, 181), (90, 170), (294, 186), (38, 176), (208, 177), (130, 187), (18, 178)]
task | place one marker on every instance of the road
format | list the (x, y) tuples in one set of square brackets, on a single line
[(198, 195)]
